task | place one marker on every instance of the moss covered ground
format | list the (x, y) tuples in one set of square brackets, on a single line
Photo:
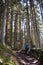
[(7, 57)]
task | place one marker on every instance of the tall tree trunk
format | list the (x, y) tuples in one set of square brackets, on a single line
[(29, 40), (4, 23), (0, 20), (31, 11), (15, 31), (41, 7), (11, 26), (7, 23), (19, 39), (36, 31)]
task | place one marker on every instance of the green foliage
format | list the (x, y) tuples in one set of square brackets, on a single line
[(41, 57), (37, 53), (11, 4), (5, 59), (1, 63), (14, 2)]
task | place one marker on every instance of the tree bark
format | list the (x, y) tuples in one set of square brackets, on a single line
[(4, 23), (11, 26), (35, 29), (29, 40), (15, 31)]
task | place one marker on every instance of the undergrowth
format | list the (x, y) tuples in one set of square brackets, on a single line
[(5, 60)]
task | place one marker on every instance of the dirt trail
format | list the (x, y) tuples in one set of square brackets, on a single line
[(24, 59)]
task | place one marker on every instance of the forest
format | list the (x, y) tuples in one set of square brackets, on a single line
[(21, 23)]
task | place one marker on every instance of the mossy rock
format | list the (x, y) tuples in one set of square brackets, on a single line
[(36, 53), (41, 57)]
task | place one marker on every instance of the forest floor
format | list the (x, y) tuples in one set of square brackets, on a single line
[(7, 56), (34, 57), (11, 57)]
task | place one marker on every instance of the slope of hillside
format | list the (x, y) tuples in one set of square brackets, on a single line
[(7, 57)]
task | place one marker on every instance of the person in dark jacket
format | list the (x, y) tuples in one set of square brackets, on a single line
[(26, 47)]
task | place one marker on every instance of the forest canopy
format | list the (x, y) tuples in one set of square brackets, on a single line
[(21, 21)]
